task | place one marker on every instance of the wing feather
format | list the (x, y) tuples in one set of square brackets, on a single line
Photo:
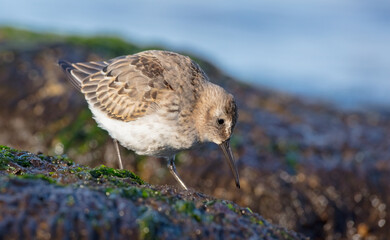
[(125, 87)]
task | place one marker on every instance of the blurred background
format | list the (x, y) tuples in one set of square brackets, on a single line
[(311, 79), (333, 50)]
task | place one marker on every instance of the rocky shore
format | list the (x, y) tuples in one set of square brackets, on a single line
[(304, 165), (45, 197)]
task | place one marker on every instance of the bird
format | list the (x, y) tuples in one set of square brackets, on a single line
[(156, 103)]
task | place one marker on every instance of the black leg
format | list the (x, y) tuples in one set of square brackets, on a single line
[(172, 169)]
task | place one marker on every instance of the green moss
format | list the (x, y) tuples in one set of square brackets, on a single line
[(249, 210), (148, 224), (4, 160), (188, 208), (65, 159), (104, 171), (117, 182), (230, 206), (57, 159), (36, 176), (4, 163), (256, 221), (44, 157), (23, 160), (2, 147), (7, 151), (184, 206), (134, 193), (6, 156), (77, 169), (108, 191)]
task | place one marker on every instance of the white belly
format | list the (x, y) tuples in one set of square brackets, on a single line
[(149, 135)]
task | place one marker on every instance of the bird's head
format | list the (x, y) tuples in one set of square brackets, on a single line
[(216, 118)]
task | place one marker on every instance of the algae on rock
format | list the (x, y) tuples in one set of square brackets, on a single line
[(59, 198)]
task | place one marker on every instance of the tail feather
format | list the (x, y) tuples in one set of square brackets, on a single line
[(78, 72), (68, 69)]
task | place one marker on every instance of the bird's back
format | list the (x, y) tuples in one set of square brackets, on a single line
[(128, 87)]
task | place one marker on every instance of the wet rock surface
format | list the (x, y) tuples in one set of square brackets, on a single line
[(306, 166), (43, 197)]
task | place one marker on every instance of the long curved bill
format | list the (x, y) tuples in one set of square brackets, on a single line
[(230, 159)]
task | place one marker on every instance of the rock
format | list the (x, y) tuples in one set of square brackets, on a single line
[(45, 197), (305, 165)]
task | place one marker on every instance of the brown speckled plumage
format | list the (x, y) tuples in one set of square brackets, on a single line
[(128, 87)]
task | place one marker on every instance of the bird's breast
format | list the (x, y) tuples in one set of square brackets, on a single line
[(153, 134)]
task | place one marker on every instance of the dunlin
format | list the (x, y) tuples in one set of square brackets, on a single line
[(156, 103)]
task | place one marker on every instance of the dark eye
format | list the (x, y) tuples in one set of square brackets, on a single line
[(221, 121)]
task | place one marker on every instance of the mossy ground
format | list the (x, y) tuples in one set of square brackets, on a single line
[(158, 211)]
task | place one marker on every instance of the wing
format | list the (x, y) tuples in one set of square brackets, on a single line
[(125, 87)]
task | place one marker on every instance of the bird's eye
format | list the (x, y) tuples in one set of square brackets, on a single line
[(221, 121)]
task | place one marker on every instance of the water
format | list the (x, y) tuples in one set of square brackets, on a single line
[(333, 50)]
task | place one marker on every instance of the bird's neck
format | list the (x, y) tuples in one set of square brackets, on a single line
[(203, 110)]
